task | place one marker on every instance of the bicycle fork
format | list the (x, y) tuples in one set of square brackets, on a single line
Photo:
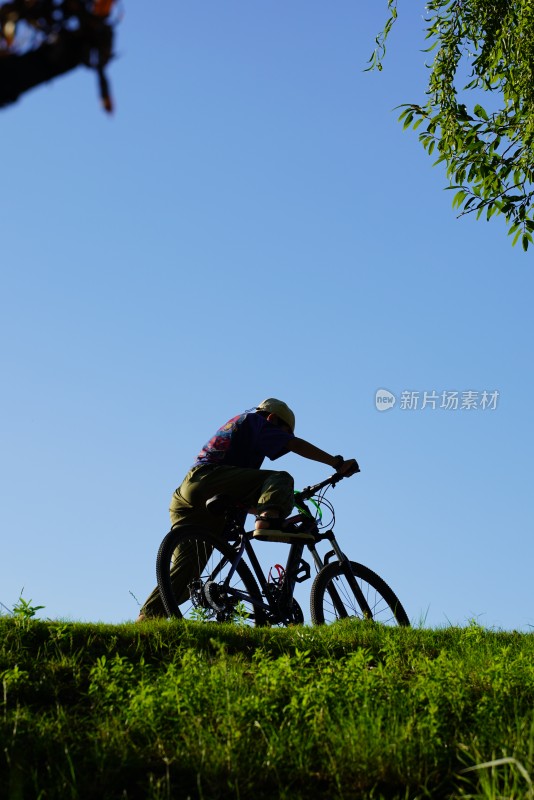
[(351, 580)]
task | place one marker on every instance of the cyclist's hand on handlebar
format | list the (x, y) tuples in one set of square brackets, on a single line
[(347, 468)]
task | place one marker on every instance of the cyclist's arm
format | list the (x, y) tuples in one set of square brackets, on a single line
[(303, 448)]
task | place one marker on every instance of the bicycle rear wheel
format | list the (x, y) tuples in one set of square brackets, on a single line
[(192, 569), (332, 597)]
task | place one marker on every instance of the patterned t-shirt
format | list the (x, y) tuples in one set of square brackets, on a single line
[(244, 441)]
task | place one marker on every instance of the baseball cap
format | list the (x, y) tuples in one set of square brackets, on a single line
[(281, 409)]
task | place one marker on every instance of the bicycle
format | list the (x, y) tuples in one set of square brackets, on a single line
[(224, 588)]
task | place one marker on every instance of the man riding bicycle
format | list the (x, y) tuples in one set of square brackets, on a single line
[(229, 464)]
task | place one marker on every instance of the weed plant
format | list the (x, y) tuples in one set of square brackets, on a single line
[(194, 710)]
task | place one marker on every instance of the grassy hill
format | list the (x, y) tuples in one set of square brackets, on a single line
[(192, 710)]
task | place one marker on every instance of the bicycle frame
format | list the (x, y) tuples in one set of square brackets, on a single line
[(291, 572), (235, 583), (295, 563), (292, 569)]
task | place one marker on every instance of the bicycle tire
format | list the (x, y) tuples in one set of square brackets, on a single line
[(384, 604), (213, 556)]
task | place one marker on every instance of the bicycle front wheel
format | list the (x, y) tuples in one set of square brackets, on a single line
[(332, 596), (195, 579)]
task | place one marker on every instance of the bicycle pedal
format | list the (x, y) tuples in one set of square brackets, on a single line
[(302, 573)]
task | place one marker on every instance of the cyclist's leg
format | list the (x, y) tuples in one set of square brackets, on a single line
[(182, 512), (188, 563), (253, 488), (152, 607), (277, 495), (268, 493), (187, 508), (265, 491)]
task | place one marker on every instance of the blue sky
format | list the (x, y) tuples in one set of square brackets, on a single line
[(253, 222)]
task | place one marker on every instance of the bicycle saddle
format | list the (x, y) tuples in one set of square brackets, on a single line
[(219, 504)]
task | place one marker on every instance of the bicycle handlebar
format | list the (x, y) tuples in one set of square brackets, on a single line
[(310, 491)]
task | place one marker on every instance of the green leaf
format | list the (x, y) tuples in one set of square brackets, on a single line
[(458, 199), (480, 112)]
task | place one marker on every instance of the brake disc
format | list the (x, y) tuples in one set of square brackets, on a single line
[(215, 597)]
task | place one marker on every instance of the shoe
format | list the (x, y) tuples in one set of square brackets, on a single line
[(278, 533)]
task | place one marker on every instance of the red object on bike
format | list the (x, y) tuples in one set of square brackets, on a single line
[(276, 578), (102, 8)]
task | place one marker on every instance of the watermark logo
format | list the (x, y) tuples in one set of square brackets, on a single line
[(384, 400), (445, 400)]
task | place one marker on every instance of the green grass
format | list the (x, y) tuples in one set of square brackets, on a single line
[(178, 710)]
